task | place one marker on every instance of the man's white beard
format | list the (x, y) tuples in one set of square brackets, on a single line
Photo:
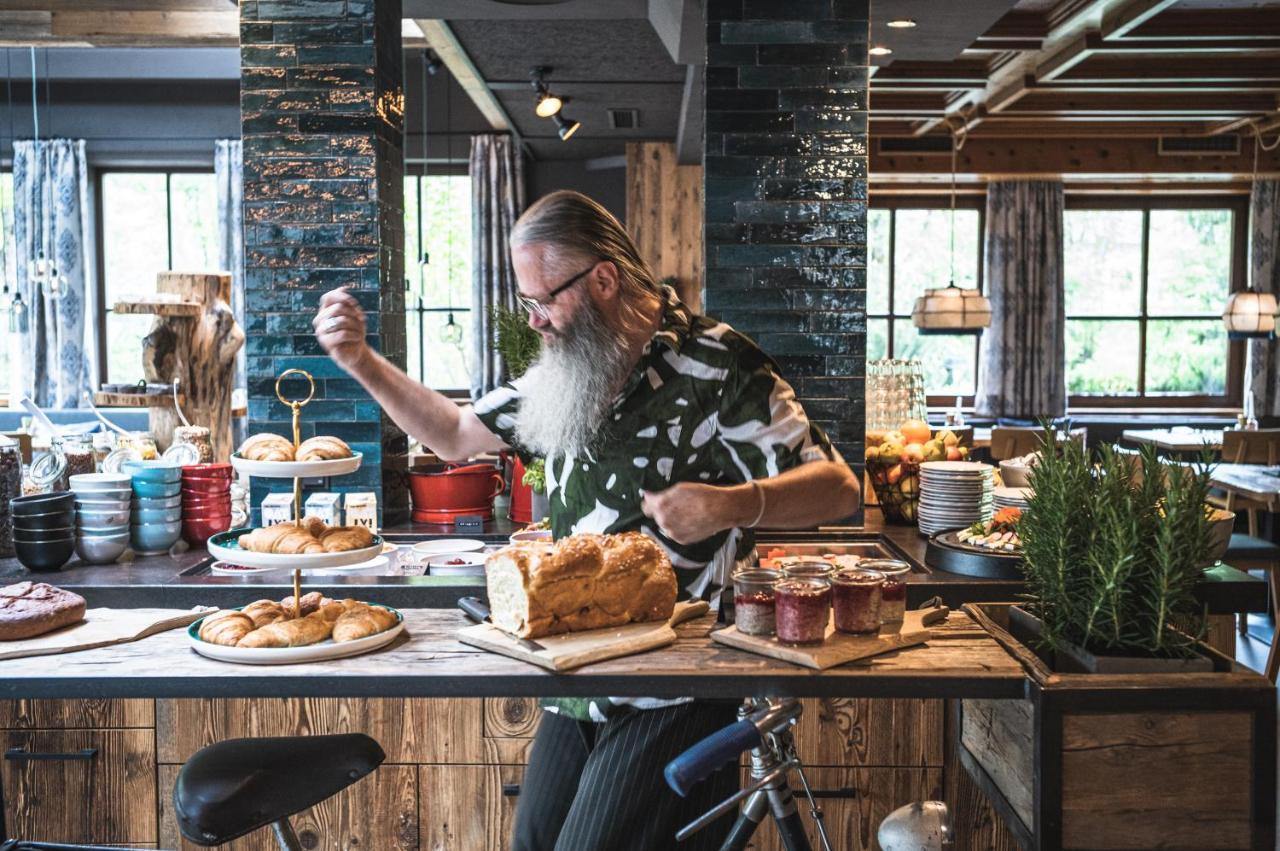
[(567, 392)]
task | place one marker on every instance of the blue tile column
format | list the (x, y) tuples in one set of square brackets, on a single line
[(322, 116), (785, 181)]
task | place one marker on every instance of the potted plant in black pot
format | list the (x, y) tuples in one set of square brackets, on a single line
[(1133, 732)]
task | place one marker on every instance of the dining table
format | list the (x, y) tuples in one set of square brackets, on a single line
[(1176, 440), (1251, 481)]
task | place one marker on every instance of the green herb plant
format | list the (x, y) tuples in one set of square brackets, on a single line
[(516, 341), (1112, 548), (535, 475)]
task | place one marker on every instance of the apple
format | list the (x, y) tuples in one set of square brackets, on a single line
[(890, 452), (872, 453), (953, 454), (894, 474), (894, 437), (913, 452)]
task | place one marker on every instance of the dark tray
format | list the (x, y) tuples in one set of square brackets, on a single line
[(944, 552)]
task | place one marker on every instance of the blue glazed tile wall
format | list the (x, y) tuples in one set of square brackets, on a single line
[(322, 114), (785, 182)]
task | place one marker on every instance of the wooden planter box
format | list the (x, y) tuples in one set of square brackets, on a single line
[(1118, 761)]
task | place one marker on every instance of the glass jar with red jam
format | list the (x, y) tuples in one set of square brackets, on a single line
[(810, 568), (803, 608), (894, 593), (753, 604), (856, 594)]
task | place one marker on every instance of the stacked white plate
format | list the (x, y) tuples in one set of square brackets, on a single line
[(954, 494), (1005, 497)]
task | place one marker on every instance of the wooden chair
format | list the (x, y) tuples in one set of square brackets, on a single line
[(1248, 447), (1014, 441)]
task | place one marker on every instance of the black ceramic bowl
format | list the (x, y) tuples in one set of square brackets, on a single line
[(36, 536), (52, 520), (45, 556), (42, 503)]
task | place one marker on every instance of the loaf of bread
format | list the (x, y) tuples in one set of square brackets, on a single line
[(28, 609), (581, 582)]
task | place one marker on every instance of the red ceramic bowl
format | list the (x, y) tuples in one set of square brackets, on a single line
[(211, 487), (209, 471), (197, 532), (204, 508)]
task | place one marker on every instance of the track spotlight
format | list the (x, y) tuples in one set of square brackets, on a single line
[(567, 127)]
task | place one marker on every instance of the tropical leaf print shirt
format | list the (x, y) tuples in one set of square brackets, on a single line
[(703, 404)]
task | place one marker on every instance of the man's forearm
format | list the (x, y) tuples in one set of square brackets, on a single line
[(808, 495), (423, 413)]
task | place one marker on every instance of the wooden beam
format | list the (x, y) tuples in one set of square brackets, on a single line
[(1253, 46), (1106, 104), (1189, 24), (1193, 68), (1119, 22), (446, 45), (1069, 56)]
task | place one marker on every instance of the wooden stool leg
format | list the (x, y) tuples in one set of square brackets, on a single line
[(1273, 658)]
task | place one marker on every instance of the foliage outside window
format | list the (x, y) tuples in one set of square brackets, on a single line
[(151, 221), (908, 251), (437, 211), (1145, 287), (8, 273)]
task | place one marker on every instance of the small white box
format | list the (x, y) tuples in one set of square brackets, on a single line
[(326, 506), (362, 510), (277, 508)]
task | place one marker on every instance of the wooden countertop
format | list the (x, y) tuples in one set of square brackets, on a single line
[(960, 661)]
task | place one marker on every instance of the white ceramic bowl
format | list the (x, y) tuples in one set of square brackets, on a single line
[(87, 482), (222, 568), (1015, 475), (531, 535), (104, 517), (426, 549), (472, 564)]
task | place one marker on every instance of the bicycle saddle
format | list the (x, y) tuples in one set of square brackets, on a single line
[(234, 787)]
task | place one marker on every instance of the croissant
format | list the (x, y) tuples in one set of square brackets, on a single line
[(322, 449), (226, 627), (362, 622), (264, 540), (314, 526), (296, 541), (267, 447), (264, 612), (341, 539), (294, 633), (331, 610), (311, 602)]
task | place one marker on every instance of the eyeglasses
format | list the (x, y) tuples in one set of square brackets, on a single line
[(538, 307)]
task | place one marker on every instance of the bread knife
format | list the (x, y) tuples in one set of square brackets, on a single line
[(478, 611)]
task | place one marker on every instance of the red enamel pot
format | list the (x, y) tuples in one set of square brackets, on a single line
[(466, 489)]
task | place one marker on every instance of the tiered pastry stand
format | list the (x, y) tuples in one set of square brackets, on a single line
[(224, 546)]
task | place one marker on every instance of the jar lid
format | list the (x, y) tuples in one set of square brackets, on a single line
[(857, 576), (182, 454), (48, 468), (887, 566), (814, 567), (116, 458), (804, 585), (758, 574)]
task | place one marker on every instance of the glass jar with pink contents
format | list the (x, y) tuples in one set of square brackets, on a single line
[(855, 597), (803, 608)]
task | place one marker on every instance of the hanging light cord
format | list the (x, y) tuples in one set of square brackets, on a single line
[(958, 137)]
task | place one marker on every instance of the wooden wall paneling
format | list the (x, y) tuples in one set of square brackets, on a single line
[(378, 813), (463, 807), (108, 798), (843, 732), (866, 796), (426, 730), (60, 714), (664, 215), (509, 725)]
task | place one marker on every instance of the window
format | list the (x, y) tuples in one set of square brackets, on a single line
[(150, 221), (908, 251), (8, 277), (437, 213), (1146, 281)]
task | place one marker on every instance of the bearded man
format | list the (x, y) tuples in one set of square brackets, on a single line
[(650, 418)]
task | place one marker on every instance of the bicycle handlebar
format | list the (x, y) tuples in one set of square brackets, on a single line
[(695, 764)]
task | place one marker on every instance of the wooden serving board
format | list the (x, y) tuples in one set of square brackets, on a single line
[(575, 649), (100, 628), (839, 647)]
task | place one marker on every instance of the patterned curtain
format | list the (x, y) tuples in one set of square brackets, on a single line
[(228, 173), (52, 214), (1022, 370), (497, 199), (1264, 276)]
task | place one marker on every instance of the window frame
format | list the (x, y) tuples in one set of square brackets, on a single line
[(965, 200), (99, 234), (418, 312), (1239, 205)]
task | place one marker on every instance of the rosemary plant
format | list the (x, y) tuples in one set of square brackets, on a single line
[(1112, 544), (516, 341)]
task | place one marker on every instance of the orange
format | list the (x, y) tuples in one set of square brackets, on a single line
[(915, 431)]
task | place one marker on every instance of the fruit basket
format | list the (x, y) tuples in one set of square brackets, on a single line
[(893, 461)]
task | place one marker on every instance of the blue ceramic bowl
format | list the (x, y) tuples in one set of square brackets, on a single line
[(153, 537), (142, 516), (152, 471), (149, 503), (156, 490)]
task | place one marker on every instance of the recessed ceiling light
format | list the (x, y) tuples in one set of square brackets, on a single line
[(880, 50), (901, 23)]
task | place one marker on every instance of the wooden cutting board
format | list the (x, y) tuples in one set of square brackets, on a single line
[(102, 627), (839, 647), (575, 649)]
